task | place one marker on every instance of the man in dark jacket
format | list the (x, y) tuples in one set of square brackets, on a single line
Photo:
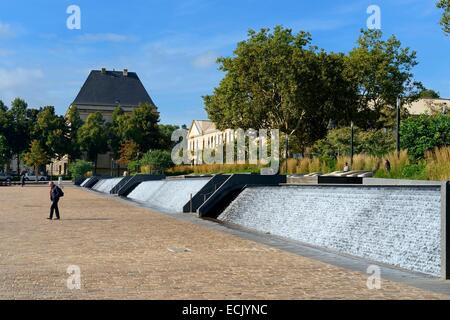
[(55, 194)]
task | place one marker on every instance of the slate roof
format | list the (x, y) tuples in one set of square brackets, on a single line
[(112, 88)]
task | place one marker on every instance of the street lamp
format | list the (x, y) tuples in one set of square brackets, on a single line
[(398, 126), (352, 144)]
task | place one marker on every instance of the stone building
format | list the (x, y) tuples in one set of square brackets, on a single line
[(102, 92)]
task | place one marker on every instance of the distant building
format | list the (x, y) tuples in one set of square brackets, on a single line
[(102, 92), (203, 134)]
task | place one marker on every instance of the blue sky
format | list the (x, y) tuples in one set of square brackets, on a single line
[(172, 45)]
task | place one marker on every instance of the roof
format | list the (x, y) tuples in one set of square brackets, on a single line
[(203, 127), (112, 88)]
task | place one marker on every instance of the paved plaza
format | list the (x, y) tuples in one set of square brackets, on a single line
[(128, 252)]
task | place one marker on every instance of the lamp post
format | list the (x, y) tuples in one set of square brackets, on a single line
[(352, 144), (398, 126)]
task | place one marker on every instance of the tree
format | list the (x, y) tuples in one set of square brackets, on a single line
[(382, 71), (156, 160), (73, 123), (116, 133), (424, 133), (279, 81), (36, 156), (79, 168), (93, 137), (51, 131), (4, 151), (20, 132), (445, 19), (129, 151), (165, 134), (429, 94), (142, 127)]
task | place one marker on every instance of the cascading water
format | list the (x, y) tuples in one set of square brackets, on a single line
[(167, 195), (84, 182), (105, 185), (394, 225)]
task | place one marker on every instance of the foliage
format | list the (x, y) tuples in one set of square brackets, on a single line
[(155, 160), (4, 151), (445, 19), (165, 135), (213, 169), (129, 151), (422, 133), (429, 94), (50, 129), (141, 126), (80, 168), (382, 71), (338, 143), (73, 123), (93, 137), (36, 156)]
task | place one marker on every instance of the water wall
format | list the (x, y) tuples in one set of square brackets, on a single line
[(105, 185), (390, 224), (167, 195)]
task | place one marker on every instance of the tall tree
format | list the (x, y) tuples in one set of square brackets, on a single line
[(51, 129), (445, 19), (277, 80), (165, 133), (93, 137), (382, 70), (36, 156), (4, 152), (73, 123), (20, 132), (142, 127)]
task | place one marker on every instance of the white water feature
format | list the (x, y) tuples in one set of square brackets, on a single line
[(85, 181), (394, 225), (106, 185), (167, 195)]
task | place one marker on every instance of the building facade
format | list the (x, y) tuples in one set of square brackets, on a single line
[(102, 92)]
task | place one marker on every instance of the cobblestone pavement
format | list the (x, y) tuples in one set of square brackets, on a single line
[(127, 252)]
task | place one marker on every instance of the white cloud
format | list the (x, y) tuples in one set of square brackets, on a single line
[(105, 37), (6, 31), (205, 60)]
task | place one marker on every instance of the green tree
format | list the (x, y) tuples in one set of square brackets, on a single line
[(36, 156), (445, 19), (51, 130), (142, 127), (156, 160), (382, 70), (6, 133), (423, 133), (93, 137), (277, 80), (73, 123), (429, 94), (4, 152), (20, 128), (165, 133)]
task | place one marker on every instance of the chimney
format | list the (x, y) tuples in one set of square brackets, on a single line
[(103, 70), (125, 72)]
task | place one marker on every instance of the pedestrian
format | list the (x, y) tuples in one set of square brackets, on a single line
[(22, 179), (387, 165), (346, 167), (55, 194)]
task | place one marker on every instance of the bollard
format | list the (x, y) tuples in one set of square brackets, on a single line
[(59, 181)]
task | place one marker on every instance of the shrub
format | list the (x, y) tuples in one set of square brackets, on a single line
[(438, 164), (155, 160)]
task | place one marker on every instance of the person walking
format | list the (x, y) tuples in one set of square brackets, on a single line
[(387, 166), (346, 167), (22, 179), (55, 194)]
